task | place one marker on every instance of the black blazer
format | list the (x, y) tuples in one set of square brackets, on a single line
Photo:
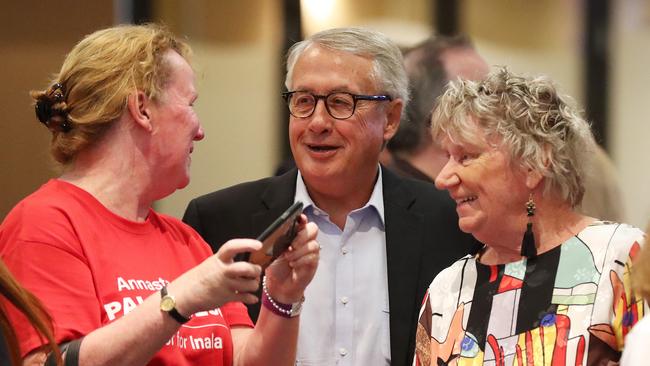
[(422, 237)]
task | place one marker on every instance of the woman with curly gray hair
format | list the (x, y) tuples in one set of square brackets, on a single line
[(550, 285)]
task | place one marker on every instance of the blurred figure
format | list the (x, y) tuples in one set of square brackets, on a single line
[(383, 237), (603, 198), (89, 245), (14, 295), (550, 285), (636, 350), (430, 65)]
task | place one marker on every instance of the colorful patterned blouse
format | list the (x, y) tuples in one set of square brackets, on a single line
[(572, 305)]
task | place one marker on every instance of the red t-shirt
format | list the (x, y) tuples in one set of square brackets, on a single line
[(89, 267)]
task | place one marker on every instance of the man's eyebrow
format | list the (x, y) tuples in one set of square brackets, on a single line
[(336, 89)]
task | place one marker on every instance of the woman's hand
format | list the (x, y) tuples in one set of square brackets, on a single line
[(288, 276), (218, 280)]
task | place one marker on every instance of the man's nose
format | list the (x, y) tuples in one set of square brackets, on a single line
[(320, 120)]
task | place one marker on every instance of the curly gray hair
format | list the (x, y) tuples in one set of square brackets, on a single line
[(541, 129), (388, 70)]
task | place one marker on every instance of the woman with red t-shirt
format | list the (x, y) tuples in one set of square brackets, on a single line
[(126, 285)]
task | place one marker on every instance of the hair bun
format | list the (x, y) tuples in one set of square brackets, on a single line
[(45, 111)]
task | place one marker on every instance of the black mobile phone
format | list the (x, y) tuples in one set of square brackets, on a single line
[(277, 238)]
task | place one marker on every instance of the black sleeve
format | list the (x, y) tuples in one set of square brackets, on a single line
[(192, 217)]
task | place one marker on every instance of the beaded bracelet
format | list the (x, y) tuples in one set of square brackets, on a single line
[(278, 308)]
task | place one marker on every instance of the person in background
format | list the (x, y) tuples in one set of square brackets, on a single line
[(383, 237), (90, 247), (636, 350), (430, 65), (603, 198), (14, 295), (550, 285)]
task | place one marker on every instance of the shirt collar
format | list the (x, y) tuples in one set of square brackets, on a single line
[(376, 198)]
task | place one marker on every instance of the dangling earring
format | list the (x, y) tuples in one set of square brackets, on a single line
[(528, 249)]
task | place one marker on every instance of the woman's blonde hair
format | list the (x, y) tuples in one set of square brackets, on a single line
[(542, 129), (91, 90)]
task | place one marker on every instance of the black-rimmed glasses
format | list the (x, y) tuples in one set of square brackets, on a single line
[(339, 105)]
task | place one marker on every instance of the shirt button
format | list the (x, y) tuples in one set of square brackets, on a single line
[(344, 300), (344, 250), (343, 351)]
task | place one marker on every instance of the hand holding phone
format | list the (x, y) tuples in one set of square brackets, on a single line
[(277, 238)]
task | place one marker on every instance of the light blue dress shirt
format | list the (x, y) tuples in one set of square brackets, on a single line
[(345, 317)]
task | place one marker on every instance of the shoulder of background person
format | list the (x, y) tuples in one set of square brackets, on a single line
[(602, 197)]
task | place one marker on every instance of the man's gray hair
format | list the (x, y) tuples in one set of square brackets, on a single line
[(388, 65)]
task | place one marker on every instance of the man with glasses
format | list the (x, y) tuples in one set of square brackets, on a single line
[(383, 238)]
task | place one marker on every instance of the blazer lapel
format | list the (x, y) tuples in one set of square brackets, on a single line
[(276, 198), (403, 242)]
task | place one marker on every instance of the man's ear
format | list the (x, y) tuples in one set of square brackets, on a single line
[(139, 107), (394, 114)]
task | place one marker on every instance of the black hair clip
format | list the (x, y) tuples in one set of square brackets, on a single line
[(65, 126), (58, 92), (43, 110), (43, 107)]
